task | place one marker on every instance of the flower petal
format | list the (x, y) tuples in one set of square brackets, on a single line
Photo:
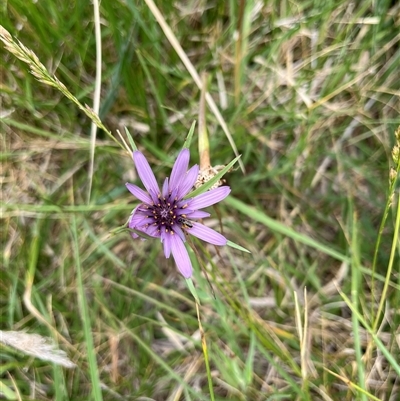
[(138, 193), (207, 234), (145, 173), (179, 170), (140, 221), (209, 198), (188, 181), (146, 221), (155, 196), (152, 230), (133, 224), (198, 214), (179, 232), (184, 212), (136, 218), (166, 241), (181, 256), (172, 196), (165, 188)]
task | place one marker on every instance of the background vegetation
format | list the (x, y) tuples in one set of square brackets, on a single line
[(310, 93)]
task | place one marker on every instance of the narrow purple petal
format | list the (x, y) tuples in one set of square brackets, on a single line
[(198, 214), (181, 256), (166, 241), (134, 235), (209, 198), (135, 221), (145, 173), (173, 195), (138, 193), (155, 196), (139, 220), (180, 212), (179, 232), (207, 234), (137, 226), (179, 170), (135, 218), (152, 230), (147, 221), (165, 188), (188, 181)]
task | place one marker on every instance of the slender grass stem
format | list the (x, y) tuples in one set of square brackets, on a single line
[(85, 317), (383, 298), (97, 92), (205, 353)]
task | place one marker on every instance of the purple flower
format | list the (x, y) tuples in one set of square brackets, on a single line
[(166, 215)]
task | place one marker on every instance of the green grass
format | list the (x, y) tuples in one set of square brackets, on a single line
[(309, 93)]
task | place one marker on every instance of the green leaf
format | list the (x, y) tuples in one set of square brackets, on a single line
[(131, 141), (388, 355), (140, 233), (274, 225), (7, 392), (188, 139), (233, 245), (86, 317), (190, 285)]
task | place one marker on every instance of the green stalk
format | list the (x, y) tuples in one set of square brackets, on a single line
[(355, 295), (85, 316), (205, 353), (389, 269)]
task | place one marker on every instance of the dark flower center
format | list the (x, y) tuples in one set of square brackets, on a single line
[(164, 213)]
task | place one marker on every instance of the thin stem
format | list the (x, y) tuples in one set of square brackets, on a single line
[(205, 353), (379, 239), (390, 267), (96, 95)]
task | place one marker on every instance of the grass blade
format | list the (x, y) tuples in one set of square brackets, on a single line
[(85, 316), (258, 215)]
